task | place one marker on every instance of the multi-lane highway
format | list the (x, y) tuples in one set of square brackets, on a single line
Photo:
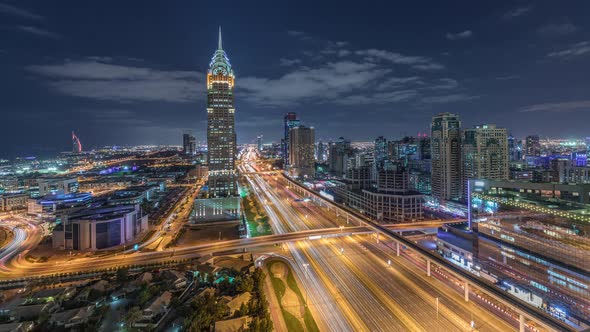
[(368, 291), (27, 235)]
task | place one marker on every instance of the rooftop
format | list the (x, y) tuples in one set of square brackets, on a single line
[(455, 240)]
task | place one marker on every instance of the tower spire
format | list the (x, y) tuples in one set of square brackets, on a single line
[(219, 47)]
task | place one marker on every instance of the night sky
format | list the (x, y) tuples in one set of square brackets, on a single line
[(133, 72)]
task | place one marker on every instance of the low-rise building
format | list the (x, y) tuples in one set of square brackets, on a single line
[(72, 317), (17, 327), (52, 205), (236, 302), (132, 195), (457, 249), (62, 185), (157, 306), (10, 202), (389, 201), (175, 278), (100, 228), (230, 325)]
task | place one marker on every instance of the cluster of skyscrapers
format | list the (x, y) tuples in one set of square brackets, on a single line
[(460, 154)]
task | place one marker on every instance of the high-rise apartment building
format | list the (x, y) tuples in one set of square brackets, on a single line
[(189, 143), (259, 143), (339, 153), (423, 147), (302, 151), (289, 121), (381, 152), (221, 134), (485, 154), (533, 146), (321, 152), (445, 144)]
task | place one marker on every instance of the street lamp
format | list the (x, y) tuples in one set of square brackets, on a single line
[(437, 309), (305, 266)]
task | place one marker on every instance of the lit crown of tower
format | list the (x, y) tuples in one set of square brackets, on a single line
[(220, 65)]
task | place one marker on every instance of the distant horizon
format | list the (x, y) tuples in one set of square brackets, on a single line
[(47, 153)]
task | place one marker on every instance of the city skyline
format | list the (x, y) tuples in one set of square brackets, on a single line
[(384, 167), (378, 86)]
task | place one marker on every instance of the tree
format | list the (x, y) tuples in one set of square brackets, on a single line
[(243, 311), (206, 311), (122, 275), (133, 316), (210, 278)]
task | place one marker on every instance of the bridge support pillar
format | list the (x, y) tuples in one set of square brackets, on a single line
[(428, 267), (397, 248), (466, 291), (521, 323)]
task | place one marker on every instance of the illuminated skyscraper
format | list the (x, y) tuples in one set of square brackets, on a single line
[(533, 146), (221, 134), (290, 121), (485, 154), (380, 152), (76, 144), (321, 152), (302, 151), (259, 143), (511, 148), (446, 156)]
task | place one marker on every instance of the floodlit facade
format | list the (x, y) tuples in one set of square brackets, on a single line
[(485, 154), (221, 134)]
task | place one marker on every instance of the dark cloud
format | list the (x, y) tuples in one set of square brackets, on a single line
[(459, 35), (517, 12), (562, 107), (575, 50), (90, 78), (38, 31), (20, 12), (289, 62), (557, 29)]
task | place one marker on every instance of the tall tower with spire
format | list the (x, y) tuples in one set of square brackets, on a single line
[(221, 134)]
